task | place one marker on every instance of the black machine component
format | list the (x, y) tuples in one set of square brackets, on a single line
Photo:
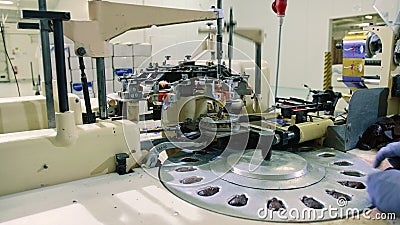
[(120, 163), (57, 19), (373, 45), (396, 86), (89, 116), (322, 101), (185, 70), (284, 139), (182, 80), (157, 109), (326, 100), (28, 26), (396, 54)]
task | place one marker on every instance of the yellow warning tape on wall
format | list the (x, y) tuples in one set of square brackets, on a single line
[(328, 71)]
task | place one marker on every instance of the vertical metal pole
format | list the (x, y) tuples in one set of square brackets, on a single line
[(258, 70), (48, 78), (230, 42), (101, 87), (278, 61), (219, 40), (60, 66)]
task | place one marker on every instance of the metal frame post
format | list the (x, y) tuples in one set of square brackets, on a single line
[(57, 19), (60, 66), (101, 87), (219, 40), (258, 70), (47, 73)]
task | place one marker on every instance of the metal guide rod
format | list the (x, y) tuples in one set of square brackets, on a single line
[(46, 60), (60, 65), (258, 70), (219, 40), (278, 61), (230, 42), (101, 87)]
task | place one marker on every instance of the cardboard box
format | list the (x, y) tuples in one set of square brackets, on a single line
[(123, 50), (117, 86), (74, 62), (142, 49), (141, 62), (76, 75), (76, 88), (122, 62)]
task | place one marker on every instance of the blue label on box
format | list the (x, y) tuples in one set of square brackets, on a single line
[(78, 86), (354, 49), (123, 71)]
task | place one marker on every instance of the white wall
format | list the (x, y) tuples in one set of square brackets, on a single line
[(23, 48), (305, 35), (305, 31)]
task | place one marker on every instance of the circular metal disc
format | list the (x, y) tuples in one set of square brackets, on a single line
[(282, 166), (209, 185), (285, 170)]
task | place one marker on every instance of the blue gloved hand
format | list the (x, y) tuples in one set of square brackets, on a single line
[(391, 152), (383, 189)]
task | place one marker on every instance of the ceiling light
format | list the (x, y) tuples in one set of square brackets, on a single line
[(368, 17), (364, 24)]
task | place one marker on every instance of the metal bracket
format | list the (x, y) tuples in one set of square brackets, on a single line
[(49, 15), (28, 26), (57, 18)]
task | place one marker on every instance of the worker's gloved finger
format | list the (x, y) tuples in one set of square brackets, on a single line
[(383, 190), (395, 162), (389, 151)]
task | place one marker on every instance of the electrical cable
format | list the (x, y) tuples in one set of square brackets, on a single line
[(8, 57)]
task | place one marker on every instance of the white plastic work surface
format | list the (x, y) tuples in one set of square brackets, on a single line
[(137, 198)]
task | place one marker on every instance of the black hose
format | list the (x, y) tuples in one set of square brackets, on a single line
[(8, 57)]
